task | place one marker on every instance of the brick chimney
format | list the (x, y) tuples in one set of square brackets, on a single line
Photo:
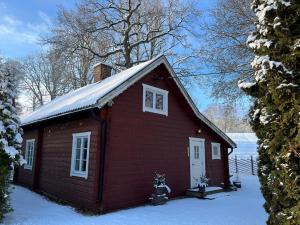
[(101, 71)]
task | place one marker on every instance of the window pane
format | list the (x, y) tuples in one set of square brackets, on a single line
[(215, 150), (85, 142), (83, 166), (77, 153), (29, 152), (159, 101), (84, 156), (77, 162), (78, 143), (30, 157), (27, 155), (196, 152), (149, 99)]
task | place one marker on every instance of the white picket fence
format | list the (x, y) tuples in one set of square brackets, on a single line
[(243, 164)]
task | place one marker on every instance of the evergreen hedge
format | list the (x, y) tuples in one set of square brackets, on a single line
[(275, 115)]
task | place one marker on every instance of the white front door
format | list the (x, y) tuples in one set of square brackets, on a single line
[(197, 160)]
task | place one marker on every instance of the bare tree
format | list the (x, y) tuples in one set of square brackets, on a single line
[(80, 66), (123, 32), (46, 76), (226, 30), (227, 118)]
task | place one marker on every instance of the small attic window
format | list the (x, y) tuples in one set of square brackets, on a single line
[(155, 100)]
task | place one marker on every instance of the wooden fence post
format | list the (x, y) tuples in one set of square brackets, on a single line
[(252, 166), (236, 165)]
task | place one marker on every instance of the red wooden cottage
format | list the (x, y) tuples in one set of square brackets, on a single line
[(99, 146)]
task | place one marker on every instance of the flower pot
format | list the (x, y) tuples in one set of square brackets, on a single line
[(238, 184), (158, 199), (160, 190), (201, 189)]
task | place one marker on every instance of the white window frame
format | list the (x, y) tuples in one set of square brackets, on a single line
[(27, 166), (73, 172), (155, 91), (218, 145)]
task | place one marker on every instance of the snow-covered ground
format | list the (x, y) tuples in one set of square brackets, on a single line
[(243, 207)]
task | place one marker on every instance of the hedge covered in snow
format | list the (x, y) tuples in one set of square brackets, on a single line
[(275, 115), (10, 131)]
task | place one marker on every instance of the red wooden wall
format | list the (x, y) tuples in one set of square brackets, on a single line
[(54, 178), (138, 145), (141, 143)]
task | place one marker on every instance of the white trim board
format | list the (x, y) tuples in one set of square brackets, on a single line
[(73, 172), (26, 166), (155, 91), (201, 158)]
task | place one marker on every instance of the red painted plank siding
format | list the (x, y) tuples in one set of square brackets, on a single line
[(138, 144), (141, 143), (54, 177)]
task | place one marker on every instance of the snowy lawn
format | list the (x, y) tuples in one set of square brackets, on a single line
[(243, 207)]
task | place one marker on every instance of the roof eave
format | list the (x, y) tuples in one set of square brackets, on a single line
[(59, 115), (123, 86)]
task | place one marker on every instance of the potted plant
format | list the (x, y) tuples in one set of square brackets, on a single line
[(203, 183), (161, 190), (236, 182)]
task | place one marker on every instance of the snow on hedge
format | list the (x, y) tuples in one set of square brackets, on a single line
[(10, 131), (260, 40)]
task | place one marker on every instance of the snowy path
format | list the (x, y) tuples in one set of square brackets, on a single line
[(243, 207)]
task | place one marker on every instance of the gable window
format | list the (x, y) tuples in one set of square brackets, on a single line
[(216, 150), (29, 152), (80, 154), (155, 100)]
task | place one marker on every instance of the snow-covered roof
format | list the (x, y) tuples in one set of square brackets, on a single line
[(81, 98), (99, 93)]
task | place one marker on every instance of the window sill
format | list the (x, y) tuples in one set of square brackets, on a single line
[(155, 111), (27, 167), (81, 175), (216, 158)]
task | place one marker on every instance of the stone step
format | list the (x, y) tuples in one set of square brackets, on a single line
[(194, 192)]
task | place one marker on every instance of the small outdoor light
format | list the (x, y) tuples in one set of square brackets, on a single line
[(110, 103), (199, 131)]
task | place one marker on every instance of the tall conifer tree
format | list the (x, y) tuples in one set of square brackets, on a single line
[(10, 131), (275, 115)]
